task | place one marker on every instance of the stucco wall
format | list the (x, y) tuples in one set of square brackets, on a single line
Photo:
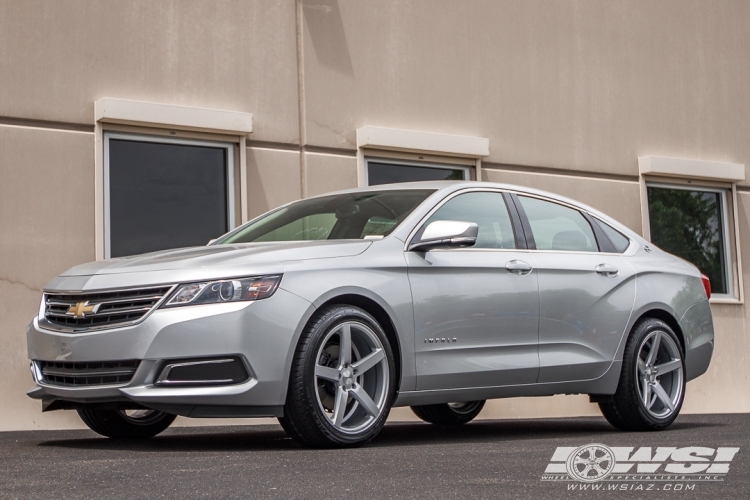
[(46, 226)]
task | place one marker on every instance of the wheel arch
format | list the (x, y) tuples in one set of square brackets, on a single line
[(656, 310), (378, 312), (669, 319)]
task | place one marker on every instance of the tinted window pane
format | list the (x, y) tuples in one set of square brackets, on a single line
[(387, 173), (619, 241), (688, 223), (488, 211), (557, 227), (165, 196), (337, 217)]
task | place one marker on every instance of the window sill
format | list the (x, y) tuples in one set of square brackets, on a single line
[(727, 300)]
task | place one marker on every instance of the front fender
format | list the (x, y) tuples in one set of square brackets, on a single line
[(381, 278)]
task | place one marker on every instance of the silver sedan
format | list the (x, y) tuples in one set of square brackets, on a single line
[(329, 311)]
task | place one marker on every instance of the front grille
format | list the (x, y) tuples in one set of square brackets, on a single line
[(72, 374), (76, 312)]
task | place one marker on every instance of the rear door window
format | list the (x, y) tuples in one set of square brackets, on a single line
[(557, 227)]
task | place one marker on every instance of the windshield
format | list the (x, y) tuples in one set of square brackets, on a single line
[(364, 215)]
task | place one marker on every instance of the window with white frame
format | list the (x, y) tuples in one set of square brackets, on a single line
[(162, 193), (387, 171), (693, 223)]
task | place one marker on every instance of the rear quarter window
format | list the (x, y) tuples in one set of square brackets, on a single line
[(619, 241)]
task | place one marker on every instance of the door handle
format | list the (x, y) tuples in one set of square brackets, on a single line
[(518, 267), (607, 270)]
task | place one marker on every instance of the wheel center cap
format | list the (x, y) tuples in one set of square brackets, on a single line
[(347, 377)]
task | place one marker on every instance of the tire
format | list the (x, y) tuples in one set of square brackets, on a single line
[(118, 424), (335, 400), (650, 392), (449, 413)]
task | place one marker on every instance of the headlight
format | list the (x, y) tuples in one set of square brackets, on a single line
[(214, 292)]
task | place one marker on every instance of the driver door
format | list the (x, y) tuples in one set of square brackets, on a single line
[(476, 309)]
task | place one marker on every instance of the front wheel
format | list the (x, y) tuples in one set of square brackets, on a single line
[(342, 380), (652, 383), (449, 413), (126, 424)]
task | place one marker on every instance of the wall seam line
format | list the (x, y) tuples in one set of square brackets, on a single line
[(301, 110)]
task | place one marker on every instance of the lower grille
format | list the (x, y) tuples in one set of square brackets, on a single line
[(80, 312), (203, 371), (71, 374)]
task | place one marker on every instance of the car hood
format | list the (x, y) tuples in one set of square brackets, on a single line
[(222, 257), (195, 264)]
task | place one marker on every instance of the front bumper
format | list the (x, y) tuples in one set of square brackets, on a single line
[(262, 333)]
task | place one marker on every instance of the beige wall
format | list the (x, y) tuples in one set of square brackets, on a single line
[(569, 93), (585, 84), (273, 179), (60, 57), (46, 226), (327, 172)]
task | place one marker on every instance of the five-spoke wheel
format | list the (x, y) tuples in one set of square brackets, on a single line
[(342, 380), (352, 376), (652, 383), (659, 376)]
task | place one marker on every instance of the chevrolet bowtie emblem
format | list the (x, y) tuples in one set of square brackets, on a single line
[(80, 309)]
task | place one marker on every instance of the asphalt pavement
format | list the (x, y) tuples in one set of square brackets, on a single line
[(484, 459)]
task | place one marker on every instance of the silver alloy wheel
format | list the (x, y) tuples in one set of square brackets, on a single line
[(351, 376), (659, 374)]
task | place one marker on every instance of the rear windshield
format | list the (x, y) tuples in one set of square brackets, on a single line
[(364, 215)]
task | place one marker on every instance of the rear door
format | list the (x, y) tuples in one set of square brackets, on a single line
[(586, 294), (476, 310)]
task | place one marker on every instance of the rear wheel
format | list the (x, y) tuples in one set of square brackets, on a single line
[(449, 413), (126, 424), (652, 383), (342, 380)]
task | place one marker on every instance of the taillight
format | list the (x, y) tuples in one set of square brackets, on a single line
[(706, 285)]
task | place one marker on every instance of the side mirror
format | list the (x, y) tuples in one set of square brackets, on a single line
[(445, 233), (210, 242)]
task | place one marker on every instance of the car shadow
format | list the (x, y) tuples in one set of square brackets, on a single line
[(510, 430), (272, 437)]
